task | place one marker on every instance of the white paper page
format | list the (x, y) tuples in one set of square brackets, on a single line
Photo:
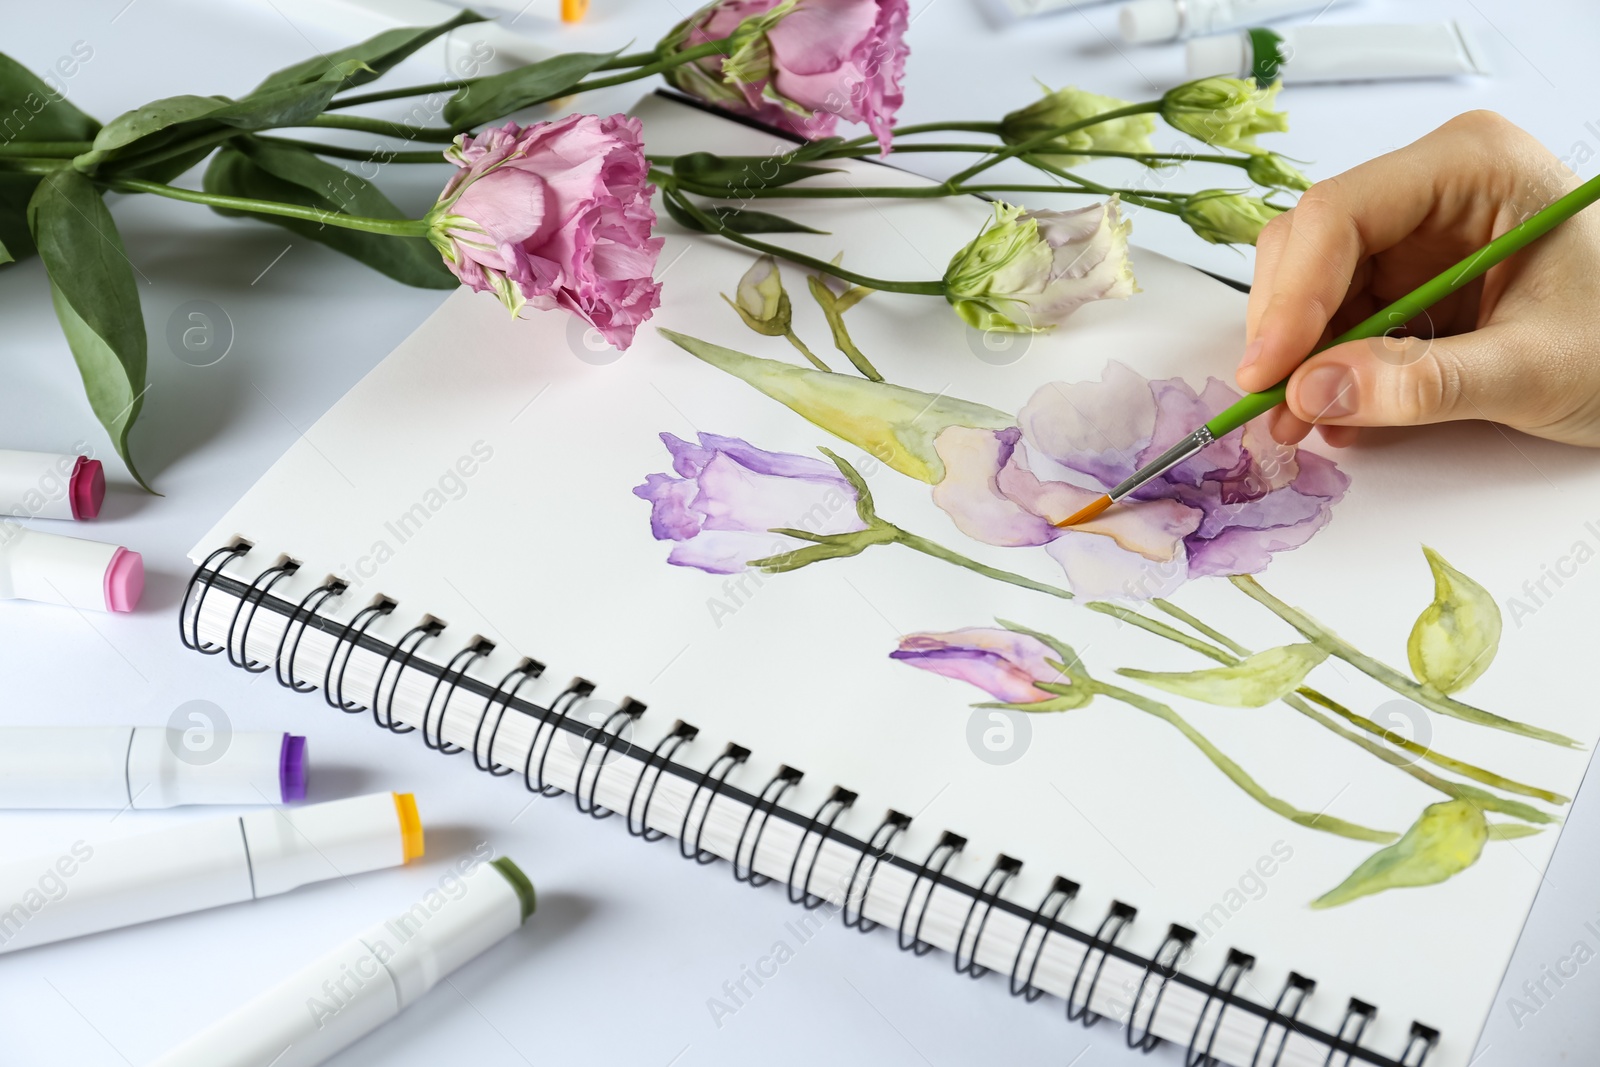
[(544, 549)]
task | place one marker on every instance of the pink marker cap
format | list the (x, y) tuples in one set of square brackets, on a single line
[(124, 580), (87, 489)]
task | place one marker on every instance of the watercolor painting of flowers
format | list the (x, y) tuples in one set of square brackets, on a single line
[(1004, 480)]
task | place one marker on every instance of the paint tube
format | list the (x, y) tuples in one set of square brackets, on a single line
[(1338, 53), (1151, 21)]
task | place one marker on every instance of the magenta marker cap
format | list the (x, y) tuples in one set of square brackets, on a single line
[(292, 768), (87, 489), (57, 569)]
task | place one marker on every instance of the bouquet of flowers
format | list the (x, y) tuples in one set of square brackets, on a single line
[(559, 214)]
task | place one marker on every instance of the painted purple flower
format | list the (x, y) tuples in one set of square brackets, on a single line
[(729, 496), (1224, 511), (800, 64), (1005, 664)]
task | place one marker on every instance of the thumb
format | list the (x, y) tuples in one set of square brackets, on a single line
[(1409, 381)]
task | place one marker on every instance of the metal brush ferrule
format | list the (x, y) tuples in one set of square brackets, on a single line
[(1173, 456)]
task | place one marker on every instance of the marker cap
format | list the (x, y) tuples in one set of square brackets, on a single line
[(291, 847), (87, 488), (164, 769), (57, 569), (292, 768), (1149, 21)]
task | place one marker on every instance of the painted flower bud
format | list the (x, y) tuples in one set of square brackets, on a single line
[(1271, 171), (1019, 670), (1224, 112), (1029, 270), (761, 301), (1456, 637), (1225, 218), (1066, 106)]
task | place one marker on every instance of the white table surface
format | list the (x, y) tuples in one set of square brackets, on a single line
[(630, 942)]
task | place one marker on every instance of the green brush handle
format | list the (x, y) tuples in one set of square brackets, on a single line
[(1423, 297)]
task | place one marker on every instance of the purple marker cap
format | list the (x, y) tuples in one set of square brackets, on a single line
[(292, 768)]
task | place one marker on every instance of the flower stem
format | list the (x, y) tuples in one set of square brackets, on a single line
[(794, 339), (669, 189), (383, 127), (937, 551), (1334, 645), (1132, 196), (392, 227), (1237, 774), (1044, 139), (366, 155)]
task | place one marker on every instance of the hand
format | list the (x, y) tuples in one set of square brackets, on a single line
[(1519, 346)]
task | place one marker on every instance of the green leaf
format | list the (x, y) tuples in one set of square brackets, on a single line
[(1443, 842), (48, 116), (895, 424), (92, 288), (1456, 637), (268, 170), (498, 95), (739, 220), (1510, 831), (1251, 683), (738, 173), (834, 313), (369, 59), (815, 149)]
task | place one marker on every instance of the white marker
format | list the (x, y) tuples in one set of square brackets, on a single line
[(368, 980), (145, 767), (58, 569), (201, 864), (48, 485)]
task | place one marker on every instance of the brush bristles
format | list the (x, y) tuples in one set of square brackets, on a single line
[(1085, 514)]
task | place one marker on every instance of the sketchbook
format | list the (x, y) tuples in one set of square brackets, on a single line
[(1268, 765)]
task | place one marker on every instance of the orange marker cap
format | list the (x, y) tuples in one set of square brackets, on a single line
[(405, 805)]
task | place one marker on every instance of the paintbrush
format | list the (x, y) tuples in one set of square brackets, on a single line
[(1381, 323)]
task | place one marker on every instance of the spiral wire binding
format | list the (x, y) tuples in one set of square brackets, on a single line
[(623, 718), (732, 756), (712, 782), (839, 801), (455, 672), (1164, 962), (1062, 891), (1291, 998), (994, 884), (1117, 919), (258, 591), (783, 780), (355, 629), (1362, 1014), (932, 868), (405, 648), (681, 734), (878, 845), (303, 613), (524, 672), (1221, 990)]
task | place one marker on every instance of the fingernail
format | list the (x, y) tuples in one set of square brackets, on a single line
[(1252, 352), (1327, 393)]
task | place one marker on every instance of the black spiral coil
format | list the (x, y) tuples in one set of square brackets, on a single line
[(602, 743)]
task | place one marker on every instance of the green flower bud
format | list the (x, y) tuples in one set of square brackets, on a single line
[(1065, 106), (1225, 112), (1225, 218), (761, 301), (1455, 638), (1272, 171)]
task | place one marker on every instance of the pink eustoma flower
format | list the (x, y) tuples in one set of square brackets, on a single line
[(1224, 511), (1002, 663), (811, 63), (555, 215)]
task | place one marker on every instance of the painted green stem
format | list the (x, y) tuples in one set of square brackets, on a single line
[(937, 551), (392, 227), (1237, 774), (712, 225), (794, 339), (1334, 645)]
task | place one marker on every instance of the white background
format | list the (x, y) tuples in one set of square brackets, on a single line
[(630, 941)]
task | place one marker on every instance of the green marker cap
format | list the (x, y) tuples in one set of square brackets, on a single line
[(519, 882)]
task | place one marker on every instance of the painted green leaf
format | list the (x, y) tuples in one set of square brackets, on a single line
[(1443, 842), (48, 117), (894, 424), (1251, 683), (368, 59), (95, 297), (498, 95), (269, 170), (1456, 637), (833, 310), (1510, 831)]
